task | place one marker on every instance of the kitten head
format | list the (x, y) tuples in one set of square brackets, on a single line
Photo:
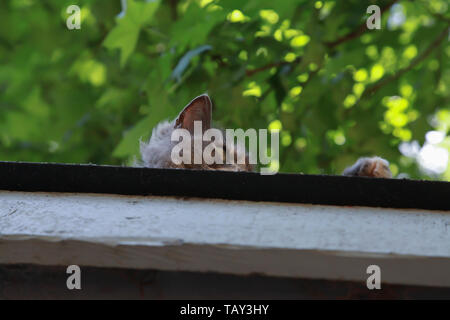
[(156, 153)]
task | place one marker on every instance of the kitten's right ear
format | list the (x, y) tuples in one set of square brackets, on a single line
[(198, 109)]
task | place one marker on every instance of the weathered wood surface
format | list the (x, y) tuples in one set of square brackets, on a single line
[(235, 237)]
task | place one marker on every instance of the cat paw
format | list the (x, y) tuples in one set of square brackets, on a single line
[(374, 167)]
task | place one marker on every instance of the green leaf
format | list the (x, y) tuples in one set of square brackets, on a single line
[(141, 12), (125, 35)]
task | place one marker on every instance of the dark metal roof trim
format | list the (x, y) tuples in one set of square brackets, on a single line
[(293, 188)]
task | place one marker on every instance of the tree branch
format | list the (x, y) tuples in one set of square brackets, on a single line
[(374, 88), (251, 72), (358, 31), (173, 9)]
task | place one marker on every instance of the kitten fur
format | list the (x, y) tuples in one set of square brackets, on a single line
[(369, 167)]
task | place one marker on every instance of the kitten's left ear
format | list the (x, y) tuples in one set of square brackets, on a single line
[(198, 109)]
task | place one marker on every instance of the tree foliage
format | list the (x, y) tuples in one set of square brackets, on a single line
[(336, 90)]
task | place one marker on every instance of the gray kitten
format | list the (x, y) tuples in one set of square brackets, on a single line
[(156, 153)]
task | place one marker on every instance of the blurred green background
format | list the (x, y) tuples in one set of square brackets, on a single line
[(310, 68)]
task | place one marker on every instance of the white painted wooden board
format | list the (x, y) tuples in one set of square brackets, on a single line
[(237, 237)]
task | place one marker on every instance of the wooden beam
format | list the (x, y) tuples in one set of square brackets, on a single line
[(225, 236)]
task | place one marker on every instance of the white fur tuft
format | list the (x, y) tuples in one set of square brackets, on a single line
[(156, 152)]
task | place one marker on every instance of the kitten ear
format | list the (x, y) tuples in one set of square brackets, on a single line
[(198, 109)]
